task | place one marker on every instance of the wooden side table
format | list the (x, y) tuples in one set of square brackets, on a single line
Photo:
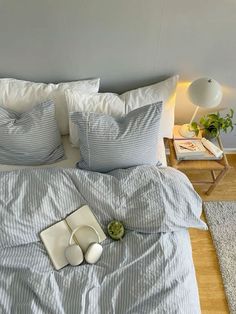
[(217, 168)]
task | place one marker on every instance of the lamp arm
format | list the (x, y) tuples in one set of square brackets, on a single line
[(194, 115)]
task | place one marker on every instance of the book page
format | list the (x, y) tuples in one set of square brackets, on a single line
[(185, 148), (56, 239), (85, 236)]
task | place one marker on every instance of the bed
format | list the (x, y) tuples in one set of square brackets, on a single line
[(151, 269), (72, 156)]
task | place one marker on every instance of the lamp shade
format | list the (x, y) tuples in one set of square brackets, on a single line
[(205, 92)]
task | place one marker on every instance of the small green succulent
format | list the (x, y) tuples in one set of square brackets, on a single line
[(116, 230)]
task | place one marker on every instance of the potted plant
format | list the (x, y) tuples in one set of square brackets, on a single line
[(212, 124)]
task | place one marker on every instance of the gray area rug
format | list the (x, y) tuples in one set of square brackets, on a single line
[(221, 219)]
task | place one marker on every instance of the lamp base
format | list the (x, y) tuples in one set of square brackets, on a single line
[(185, 132)]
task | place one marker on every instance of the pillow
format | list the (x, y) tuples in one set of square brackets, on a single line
[(108, 103), (21, 96), (115, 105), (164, 91), (30, 138), (108, 143)]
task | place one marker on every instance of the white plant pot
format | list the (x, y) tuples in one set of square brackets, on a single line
[(185, 132)]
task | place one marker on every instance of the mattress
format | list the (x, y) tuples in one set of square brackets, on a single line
[(72, 155)]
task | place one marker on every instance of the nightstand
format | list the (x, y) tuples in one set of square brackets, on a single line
[(217, 168)]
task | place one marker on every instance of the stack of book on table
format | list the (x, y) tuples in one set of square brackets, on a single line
[(196, 148)]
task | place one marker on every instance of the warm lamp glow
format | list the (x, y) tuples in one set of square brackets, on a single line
[(184, 84)]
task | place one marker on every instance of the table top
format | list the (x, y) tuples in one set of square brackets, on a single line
[(197, 164)]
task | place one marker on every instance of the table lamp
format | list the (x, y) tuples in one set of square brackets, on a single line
[(203, 92)]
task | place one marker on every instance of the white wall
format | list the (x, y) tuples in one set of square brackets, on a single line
[(127, 43)]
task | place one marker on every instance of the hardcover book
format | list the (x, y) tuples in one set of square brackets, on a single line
[(195, 150), (56, 237), (186, 148)]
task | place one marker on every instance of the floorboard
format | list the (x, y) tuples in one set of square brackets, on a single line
[(211, 290)]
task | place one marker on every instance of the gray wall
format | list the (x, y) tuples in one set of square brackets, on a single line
[(128, 43)]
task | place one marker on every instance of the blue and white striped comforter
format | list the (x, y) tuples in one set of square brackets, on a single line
[(150, 271)]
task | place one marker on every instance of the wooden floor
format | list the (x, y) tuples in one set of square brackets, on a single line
[(212, 296)]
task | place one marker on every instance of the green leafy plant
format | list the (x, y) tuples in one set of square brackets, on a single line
[(212, 124)]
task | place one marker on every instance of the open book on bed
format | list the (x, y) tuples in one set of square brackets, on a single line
[(56, 237)]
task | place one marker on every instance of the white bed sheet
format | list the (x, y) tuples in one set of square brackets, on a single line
[(72, 156)]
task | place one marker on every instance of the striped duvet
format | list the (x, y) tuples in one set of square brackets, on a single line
[(150, 271)]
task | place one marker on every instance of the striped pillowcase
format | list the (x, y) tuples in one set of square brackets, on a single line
[(30, 138), (108, 143)]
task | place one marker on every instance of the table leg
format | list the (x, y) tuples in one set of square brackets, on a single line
[(217, 180), (213, 175)]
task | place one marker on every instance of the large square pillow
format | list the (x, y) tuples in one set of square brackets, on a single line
[(118, 105), (107, 103), (31, 137), (164, 91), (108, 143), (21, 96)]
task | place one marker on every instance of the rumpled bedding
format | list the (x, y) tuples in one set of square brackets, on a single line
[(149, 271)]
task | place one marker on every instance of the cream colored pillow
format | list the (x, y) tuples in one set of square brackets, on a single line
[(164, 91), (21, 95), (108, 103)]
